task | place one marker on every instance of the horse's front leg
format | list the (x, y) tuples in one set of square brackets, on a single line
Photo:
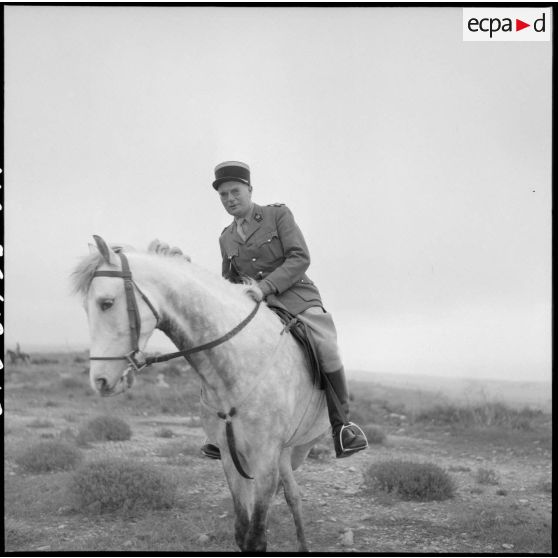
[(252, 499), (265, 487)]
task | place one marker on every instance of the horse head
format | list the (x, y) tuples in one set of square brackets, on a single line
[(120, 323)]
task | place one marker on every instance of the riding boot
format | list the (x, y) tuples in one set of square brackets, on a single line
[(211, 450), (348, 438)]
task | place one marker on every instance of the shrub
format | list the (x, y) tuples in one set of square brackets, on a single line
[(164, 433), (49, 456), (545, 485), (484, 415), (121, 485), (374, 434), (486, 476), (44, 360), (411, 481), (179, 449), (103, 428), (40, 423), (320, 452)]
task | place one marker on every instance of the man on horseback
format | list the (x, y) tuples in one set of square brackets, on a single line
[(264, 243)]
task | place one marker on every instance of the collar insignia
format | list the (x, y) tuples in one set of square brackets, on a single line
[(258, 217)]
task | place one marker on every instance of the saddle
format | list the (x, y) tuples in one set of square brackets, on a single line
[(303, 336)]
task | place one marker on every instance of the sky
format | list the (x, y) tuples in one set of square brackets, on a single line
[(417, 165)]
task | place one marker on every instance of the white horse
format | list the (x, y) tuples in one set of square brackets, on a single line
[(259, 402)]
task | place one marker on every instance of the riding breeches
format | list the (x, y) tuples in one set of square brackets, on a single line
[(321, 325)]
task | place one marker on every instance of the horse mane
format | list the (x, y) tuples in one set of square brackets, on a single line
[(85, 270)]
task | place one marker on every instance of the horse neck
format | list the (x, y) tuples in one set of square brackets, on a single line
[(197, 308)]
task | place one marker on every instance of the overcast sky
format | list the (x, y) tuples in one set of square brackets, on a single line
[(417, 165)]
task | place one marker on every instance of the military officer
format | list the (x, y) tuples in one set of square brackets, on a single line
[(266, 244)]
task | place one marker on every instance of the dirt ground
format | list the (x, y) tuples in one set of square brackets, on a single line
[(342, 513)]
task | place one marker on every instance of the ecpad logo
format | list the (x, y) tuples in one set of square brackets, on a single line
[(507, 24)]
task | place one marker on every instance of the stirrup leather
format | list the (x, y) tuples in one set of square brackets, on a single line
[(359, 431)]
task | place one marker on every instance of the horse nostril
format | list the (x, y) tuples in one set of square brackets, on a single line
[(101, 384)]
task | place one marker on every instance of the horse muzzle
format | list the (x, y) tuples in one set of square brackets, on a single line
[(107, 388)]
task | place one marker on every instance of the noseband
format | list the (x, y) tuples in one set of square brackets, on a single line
[(135, 323)]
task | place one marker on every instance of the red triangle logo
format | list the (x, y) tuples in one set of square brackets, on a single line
[(519, 25)]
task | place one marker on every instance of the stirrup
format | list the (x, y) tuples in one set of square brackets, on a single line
[(344, 452)]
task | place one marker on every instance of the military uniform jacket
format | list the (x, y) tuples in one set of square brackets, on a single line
[(274, 250)]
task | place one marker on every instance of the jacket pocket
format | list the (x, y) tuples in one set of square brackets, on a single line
[(270, 244)]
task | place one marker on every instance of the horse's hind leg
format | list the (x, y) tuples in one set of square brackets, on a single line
[(292, 496)]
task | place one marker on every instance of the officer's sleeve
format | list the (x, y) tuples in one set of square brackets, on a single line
[(225, 261), (295, 250)]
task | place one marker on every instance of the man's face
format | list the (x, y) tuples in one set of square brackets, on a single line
[(236, 197)]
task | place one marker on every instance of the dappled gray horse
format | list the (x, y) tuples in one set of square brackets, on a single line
[(259, 402)]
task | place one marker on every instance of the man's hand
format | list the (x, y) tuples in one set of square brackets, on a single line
[(255, 292), (164, 249)]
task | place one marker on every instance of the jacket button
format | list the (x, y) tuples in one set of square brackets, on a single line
[(253, 259)]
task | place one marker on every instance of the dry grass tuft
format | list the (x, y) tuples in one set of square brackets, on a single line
[(410, 480), (486, 476), (40, 423), (374, 434), (481, 415), (104, 428), (165, 433), (44, 457), (113, 485)]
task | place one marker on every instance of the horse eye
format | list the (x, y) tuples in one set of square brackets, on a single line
[(106, 304)]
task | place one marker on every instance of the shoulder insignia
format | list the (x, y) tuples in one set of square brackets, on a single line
[(275, 204), (258, 217)]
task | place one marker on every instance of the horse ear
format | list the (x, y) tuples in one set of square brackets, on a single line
[(108, 255)]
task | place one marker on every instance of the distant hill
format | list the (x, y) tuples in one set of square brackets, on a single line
[(464, 390)]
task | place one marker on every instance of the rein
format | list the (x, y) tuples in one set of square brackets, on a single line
[(135, 323)]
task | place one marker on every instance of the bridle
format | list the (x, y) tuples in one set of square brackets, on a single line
[(135, 324)]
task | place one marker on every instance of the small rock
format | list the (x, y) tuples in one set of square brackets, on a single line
[(127, 543), (43, 548), (203, 539), (347, 538), (352, 469), (507, 546), (332, 519), (523, 501)]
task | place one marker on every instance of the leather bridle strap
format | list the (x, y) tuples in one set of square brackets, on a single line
[(131, 305), (135, 321)]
